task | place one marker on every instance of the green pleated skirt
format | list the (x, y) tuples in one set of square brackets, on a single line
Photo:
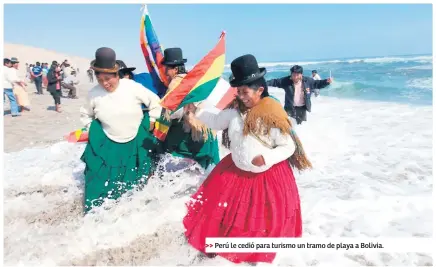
[(180, 144), (114, 168)]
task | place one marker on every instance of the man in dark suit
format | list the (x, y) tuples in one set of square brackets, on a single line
[(298, 89)]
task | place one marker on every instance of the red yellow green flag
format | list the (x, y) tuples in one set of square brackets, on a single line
[(198, 84)]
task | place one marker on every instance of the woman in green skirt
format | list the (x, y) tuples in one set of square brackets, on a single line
[(187, 137), (118, 153)]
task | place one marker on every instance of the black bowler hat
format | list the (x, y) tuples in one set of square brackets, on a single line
[(105, 61), (245, 70), (173, 57), (123, 68)]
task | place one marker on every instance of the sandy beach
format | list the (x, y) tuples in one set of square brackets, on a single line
[(42, 125)]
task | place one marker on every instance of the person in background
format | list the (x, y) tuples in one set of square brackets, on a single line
[(6, 64), (20, 88), (90, 73), (316, 77), (117, 156), (66, 69), (143, 78), (31, 73), (9, 79), (37, 77), (27, 71), (125, 72), (45, 69), (62, 66), (70, 83), (54, 84), (298, 89)]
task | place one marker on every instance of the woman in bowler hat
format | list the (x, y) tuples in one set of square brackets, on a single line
[(252, 191), (125, 72), (117, 156)]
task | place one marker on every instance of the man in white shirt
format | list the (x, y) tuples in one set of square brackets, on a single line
[(316, 77), (70, 83), (9, 78), (66, 69)]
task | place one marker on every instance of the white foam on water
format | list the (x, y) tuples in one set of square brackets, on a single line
[(380, 60), (419, 67), (421, 83), (372, 177)]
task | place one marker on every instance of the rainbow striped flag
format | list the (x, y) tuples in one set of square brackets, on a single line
[(152, 51), (153, 55), (199, 83)]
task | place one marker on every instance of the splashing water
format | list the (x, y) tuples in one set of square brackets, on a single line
[(372, 177)]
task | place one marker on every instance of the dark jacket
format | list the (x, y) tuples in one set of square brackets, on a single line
[(52, 80), (287, 84)]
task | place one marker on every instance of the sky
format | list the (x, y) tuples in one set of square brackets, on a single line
[(275, 32)]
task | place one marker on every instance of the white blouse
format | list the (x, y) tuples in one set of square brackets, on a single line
[(245, 148), (120, 111)]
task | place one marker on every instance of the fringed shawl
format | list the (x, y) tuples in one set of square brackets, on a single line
[(260, 119)]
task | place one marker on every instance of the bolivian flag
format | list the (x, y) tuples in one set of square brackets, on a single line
[(199, 83)]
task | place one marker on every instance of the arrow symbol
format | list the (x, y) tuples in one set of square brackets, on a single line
[(208, 245)]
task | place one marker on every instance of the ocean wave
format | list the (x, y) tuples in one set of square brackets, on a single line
[(383, 60), (414, 91), (423, 83), (419, 67)]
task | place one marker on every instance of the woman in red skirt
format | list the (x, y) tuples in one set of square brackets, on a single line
[(252, 191)]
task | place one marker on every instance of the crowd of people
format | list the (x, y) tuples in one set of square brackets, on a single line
[(249, 193), (52, 78)]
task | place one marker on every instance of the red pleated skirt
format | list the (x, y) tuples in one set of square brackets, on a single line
[(236, 203)]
